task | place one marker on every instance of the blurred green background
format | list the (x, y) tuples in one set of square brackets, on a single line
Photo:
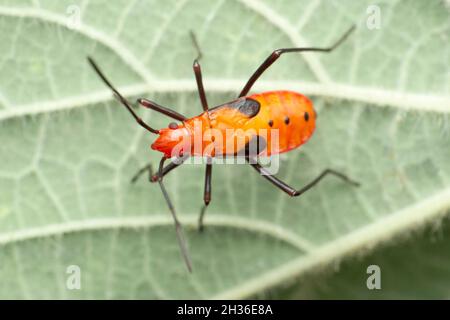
[(68, 151)]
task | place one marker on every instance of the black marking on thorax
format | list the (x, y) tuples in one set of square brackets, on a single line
[(247, 106)]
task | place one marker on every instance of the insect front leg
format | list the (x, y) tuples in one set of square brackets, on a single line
[(178, 227), (163, 110), (154, 177)]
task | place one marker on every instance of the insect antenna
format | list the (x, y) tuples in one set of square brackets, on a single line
[(119, 97)]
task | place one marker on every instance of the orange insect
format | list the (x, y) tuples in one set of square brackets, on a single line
[(260, 124)]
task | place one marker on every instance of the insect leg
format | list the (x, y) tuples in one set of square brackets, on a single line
[(156, 107), (206, 195), (178, 227), (198, 74), (154, 177), (120, 97), (277, 53), (293, 192), (195, 43)]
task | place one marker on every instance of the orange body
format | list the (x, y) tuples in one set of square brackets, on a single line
[(283, 119)]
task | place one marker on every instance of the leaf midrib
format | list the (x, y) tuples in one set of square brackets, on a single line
[(326, 88), (311, 255), (188, 220), (374, 96)]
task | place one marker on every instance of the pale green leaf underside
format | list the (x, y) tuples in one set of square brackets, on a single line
[(65, 198), (413, 269)]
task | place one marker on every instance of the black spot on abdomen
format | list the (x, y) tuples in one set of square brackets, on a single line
[(306, 116)]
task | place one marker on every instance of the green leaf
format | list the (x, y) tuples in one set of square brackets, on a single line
[(411, 268), (68, 150)]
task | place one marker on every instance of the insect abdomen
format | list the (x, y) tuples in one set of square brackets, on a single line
[(290, 113)]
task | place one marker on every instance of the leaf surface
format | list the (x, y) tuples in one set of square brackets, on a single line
[(68, 150)]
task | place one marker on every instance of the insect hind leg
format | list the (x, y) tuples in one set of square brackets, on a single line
[(277, 53), (198, 73), (294, 192), (196, 45)]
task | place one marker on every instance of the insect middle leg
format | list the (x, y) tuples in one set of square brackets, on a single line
[(206, 194), (294, 192)]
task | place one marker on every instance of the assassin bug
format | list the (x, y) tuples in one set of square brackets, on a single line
[(290, 113)]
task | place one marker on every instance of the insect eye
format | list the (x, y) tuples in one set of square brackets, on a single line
[(173, 126)]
